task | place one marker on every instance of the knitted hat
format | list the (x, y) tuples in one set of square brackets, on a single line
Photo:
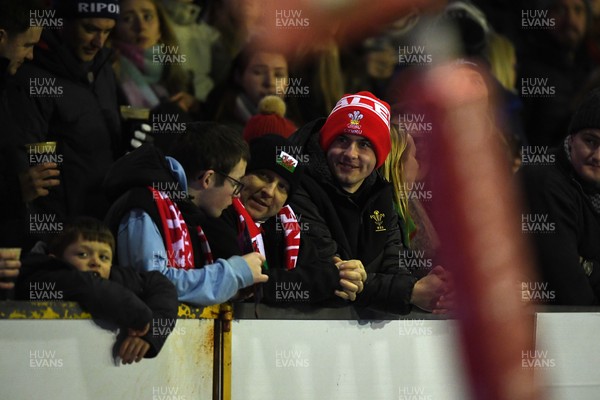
[(360, 114), (269, 152), (73, 9), (587, 115), (270, 119)]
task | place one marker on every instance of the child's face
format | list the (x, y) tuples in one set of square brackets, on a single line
[(86, 255)]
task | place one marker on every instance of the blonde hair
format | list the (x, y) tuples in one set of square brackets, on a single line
[(393, 170), (501, 54)]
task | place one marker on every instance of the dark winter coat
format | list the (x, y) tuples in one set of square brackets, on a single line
[(362, 226), (313, 281), (74, 104), (13, 213), (570, 232), (128, 298)]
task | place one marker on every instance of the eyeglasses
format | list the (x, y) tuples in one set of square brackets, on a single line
[(237, 185)]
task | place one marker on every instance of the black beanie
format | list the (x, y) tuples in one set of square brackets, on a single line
[(587, 115), (269, 152), (74, 9)]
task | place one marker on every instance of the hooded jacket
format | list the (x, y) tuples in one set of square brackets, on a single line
[(127, 298), (569, 233), (74, 104), (361, 226), (136, 224)]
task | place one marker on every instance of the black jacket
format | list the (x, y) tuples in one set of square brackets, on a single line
[(549, 84), (76, 106), (126, 186), (571, 229), (360, 226), (128, 298), (13, 212), (313, 281)]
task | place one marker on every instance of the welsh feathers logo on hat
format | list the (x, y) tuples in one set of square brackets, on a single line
[(354, 125), (355, 117)]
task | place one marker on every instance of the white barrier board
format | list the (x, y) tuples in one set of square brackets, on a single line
[(346, 360), (568, 354), (72, 359)]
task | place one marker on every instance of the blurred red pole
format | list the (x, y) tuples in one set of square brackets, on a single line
[(477, 213)]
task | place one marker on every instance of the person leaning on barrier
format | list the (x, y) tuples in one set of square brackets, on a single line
[(349, 207), (161, 201), (563, 215), (262, 219), (76, 265)]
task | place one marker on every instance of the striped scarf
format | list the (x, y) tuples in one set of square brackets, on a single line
[(180, 253), (246, 225)]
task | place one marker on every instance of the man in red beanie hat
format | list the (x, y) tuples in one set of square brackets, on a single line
[(348, 207)]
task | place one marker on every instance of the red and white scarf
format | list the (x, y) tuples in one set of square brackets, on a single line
[(180, 253), (291, 230)]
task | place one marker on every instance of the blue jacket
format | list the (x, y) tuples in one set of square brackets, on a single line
[(133, 218)]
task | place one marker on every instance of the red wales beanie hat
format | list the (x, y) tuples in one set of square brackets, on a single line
[(360, 114)]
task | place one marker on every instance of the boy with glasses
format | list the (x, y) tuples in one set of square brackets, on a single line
[(161, 201)]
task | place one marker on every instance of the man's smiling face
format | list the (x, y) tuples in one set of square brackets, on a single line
[(351, 160)]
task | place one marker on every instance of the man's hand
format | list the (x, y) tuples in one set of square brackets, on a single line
[(428, 291), (9, 270), (133, 349), (352, 278), (255, 261), (139, 333), (186, 102), (36, 181)]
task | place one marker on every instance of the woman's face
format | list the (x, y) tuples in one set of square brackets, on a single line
[(138, 24), (266, 73)]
